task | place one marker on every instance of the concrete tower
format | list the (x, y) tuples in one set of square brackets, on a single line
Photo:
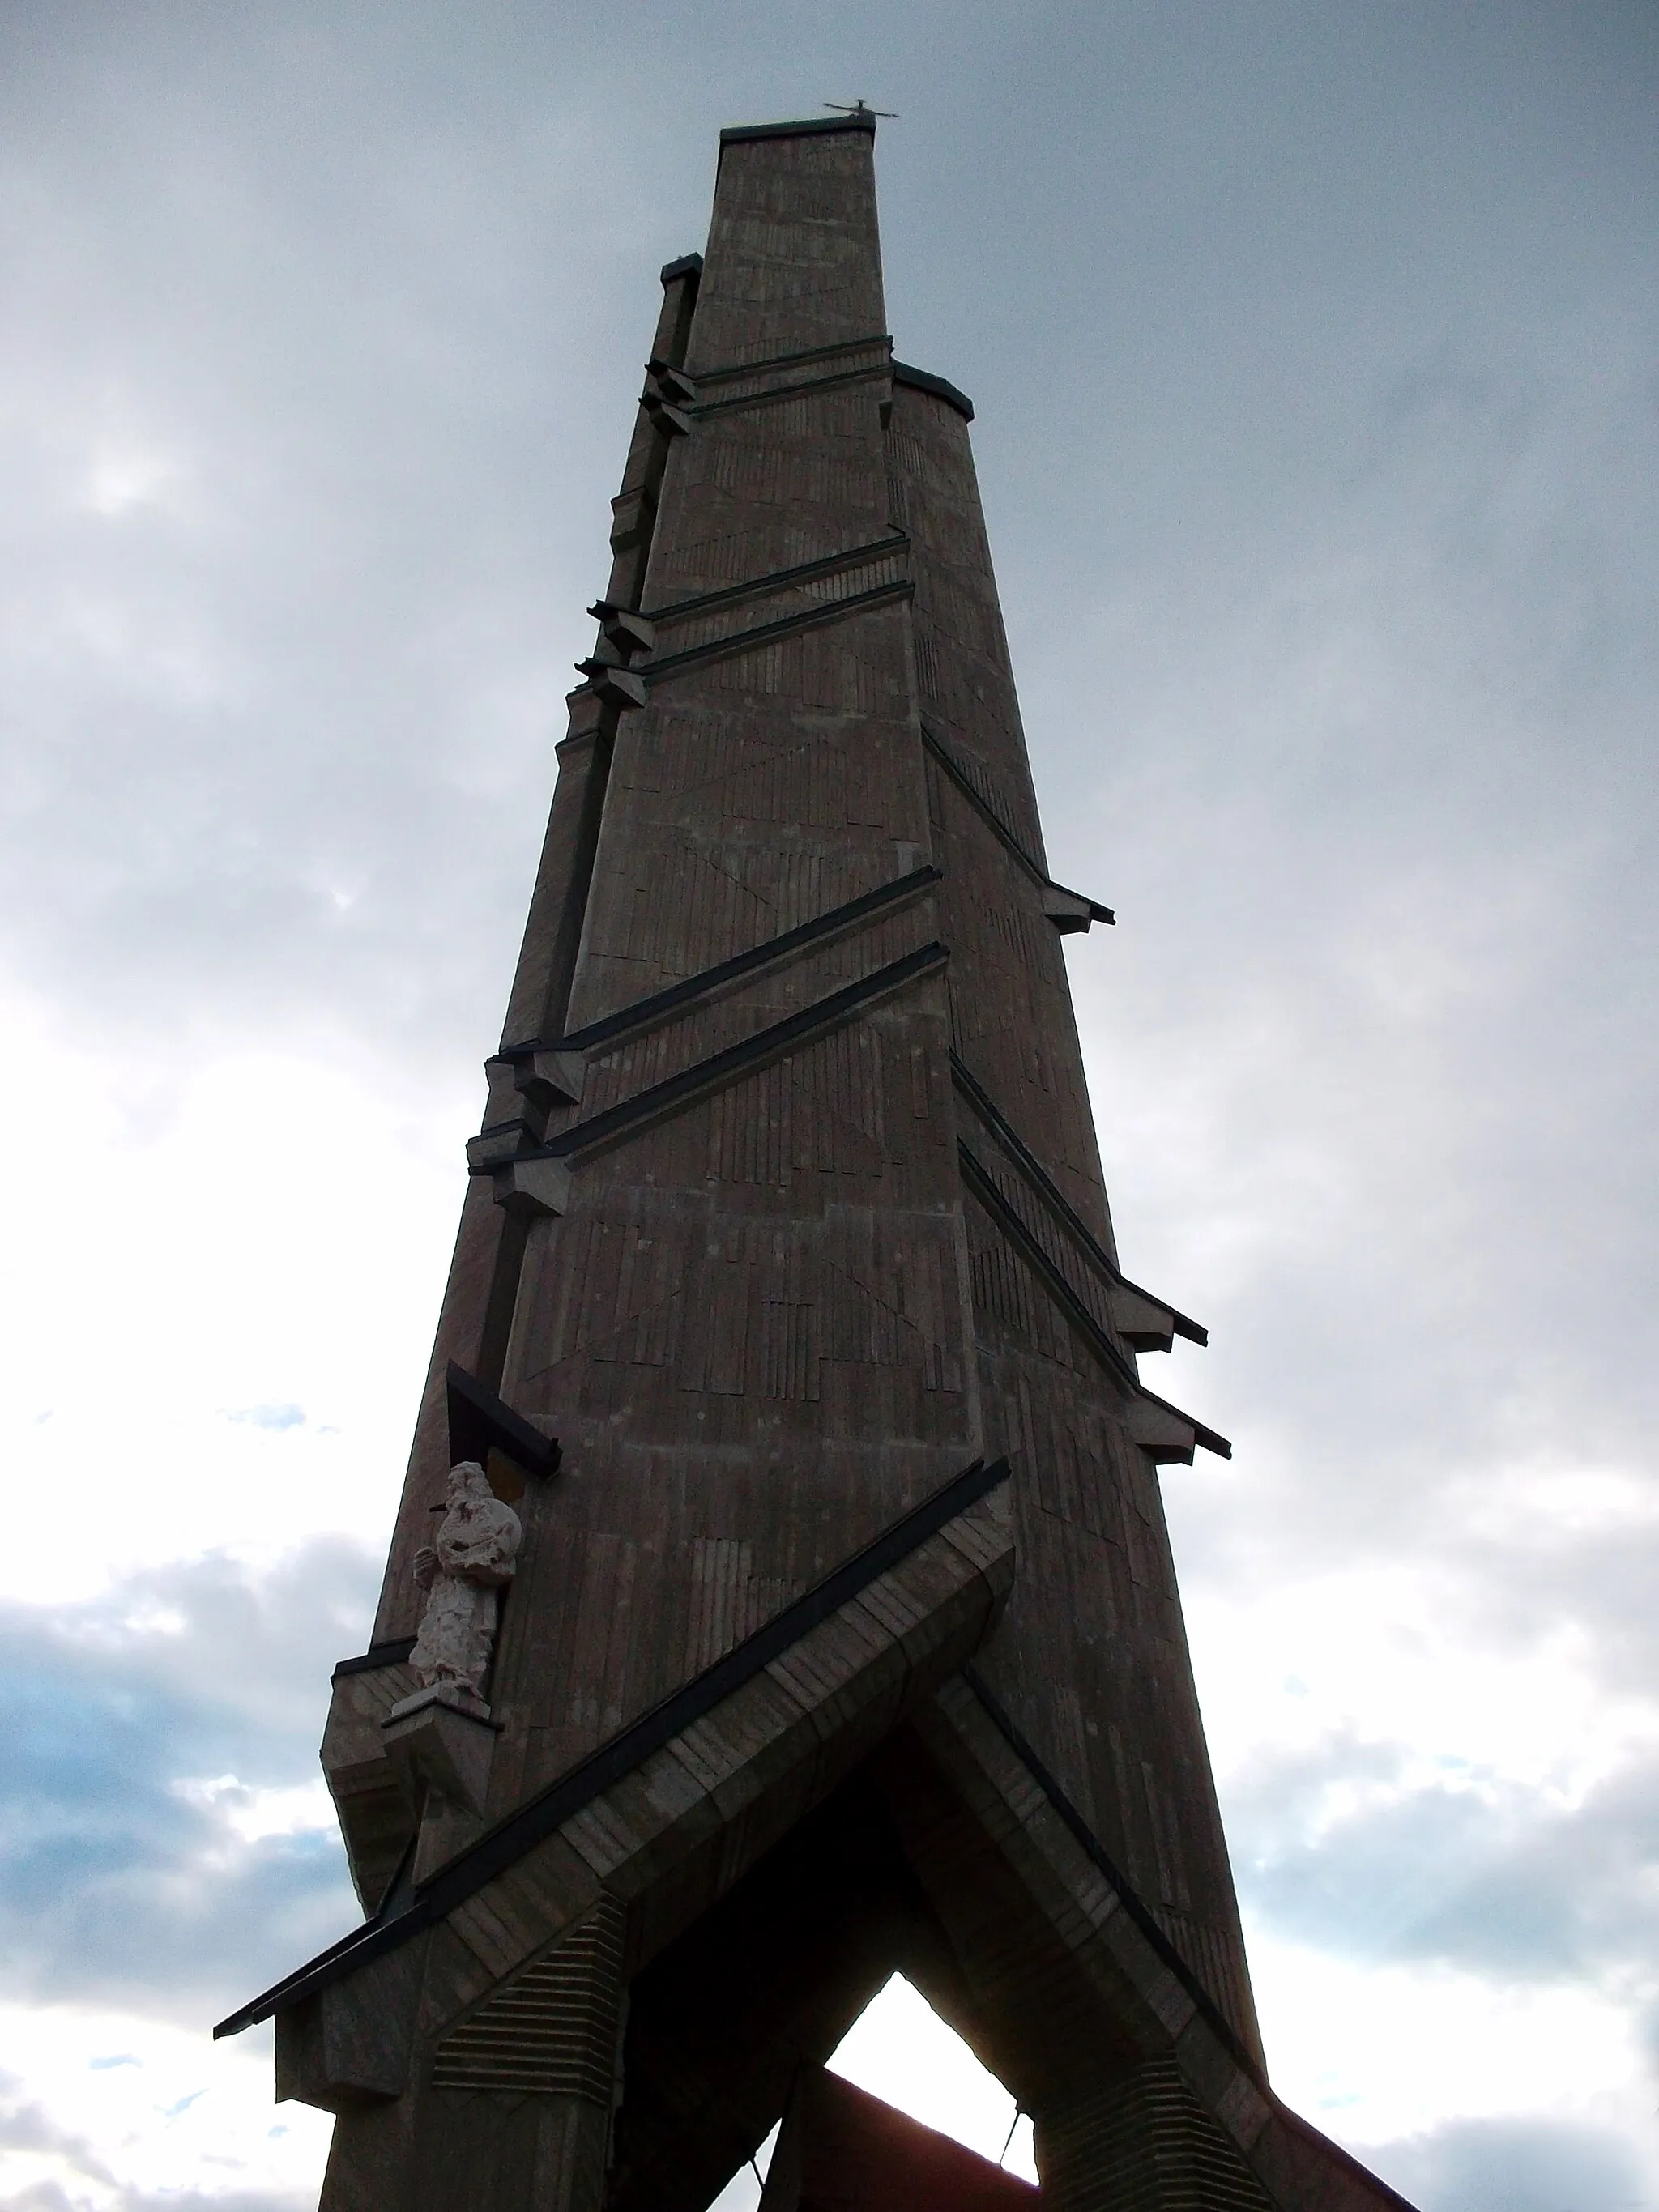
[(842, 1635)]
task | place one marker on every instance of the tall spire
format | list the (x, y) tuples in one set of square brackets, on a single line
[(837, 1631)]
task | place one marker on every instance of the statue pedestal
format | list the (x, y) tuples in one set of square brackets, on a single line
[(441, 1743)]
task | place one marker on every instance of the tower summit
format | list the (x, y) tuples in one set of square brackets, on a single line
[(781, 1594)]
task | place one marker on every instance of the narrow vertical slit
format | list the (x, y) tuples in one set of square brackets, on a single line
[(502, 1301)]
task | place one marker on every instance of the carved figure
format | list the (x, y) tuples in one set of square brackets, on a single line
[(463, 1569)]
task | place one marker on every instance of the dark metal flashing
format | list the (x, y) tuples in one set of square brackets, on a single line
[(984, 1188), (725, 370), (738, 134), (394, 1654), (689, 264), (1097, 912), (772, 393), (1139, 1912), (923, 380), (1049, 1192), (507, 1843), (778, 579), (705, 1076), (964, 783), (1146, 1921), (943, 752), (516, 1121), (644, 1013), (1206, 1438), (983, 1184), (745, 641), (478, 1420)]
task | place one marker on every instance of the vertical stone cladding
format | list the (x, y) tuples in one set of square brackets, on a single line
[(1011, 1004), (749, 1327), (1092, 1657), (793, 258)]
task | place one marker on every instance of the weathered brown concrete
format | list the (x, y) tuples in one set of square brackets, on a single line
[(786, 1215)]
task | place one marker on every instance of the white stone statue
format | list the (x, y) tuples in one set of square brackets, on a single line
[(462, 1570)]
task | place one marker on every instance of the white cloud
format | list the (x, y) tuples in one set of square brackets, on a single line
[(253, 1813), (225, 1303), (177, 2113), (1375, 2055)]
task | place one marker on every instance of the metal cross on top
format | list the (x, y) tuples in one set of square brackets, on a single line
[(860, 108)]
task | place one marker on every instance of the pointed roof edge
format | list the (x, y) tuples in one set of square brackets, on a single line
[(737, 134), (406, 1912)]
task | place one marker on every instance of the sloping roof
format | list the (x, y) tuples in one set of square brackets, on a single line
[(407, 1909)]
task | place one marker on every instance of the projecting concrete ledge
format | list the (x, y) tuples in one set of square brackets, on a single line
[(923, 380)]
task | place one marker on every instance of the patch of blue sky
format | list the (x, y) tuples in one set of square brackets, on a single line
[(269, 1416)]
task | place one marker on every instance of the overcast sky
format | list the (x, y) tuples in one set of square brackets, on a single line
[(1314, 352)]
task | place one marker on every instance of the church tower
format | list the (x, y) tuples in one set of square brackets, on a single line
[(807, 1612)]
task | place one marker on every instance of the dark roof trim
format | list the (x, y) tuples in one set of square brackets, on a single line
[(644, 1013), (983, 1186), (979, 1182), (953, 767), (689, 264), (1097, 912), (476, 1417), (739, 133), (1052, 1196), (770, 394), (510, 1839), (725, 370), (923, 380), (394, 1654), (745, 641), (1219, 2025), (805, 572), (705, 1076)]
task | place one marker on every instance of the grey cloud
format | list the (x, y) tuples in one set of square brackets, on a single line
[(1490, 1876), (1596, 1584), (27, 2126), (118, 1884), (252, 1649), (1513, 2166), (300, 661)]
